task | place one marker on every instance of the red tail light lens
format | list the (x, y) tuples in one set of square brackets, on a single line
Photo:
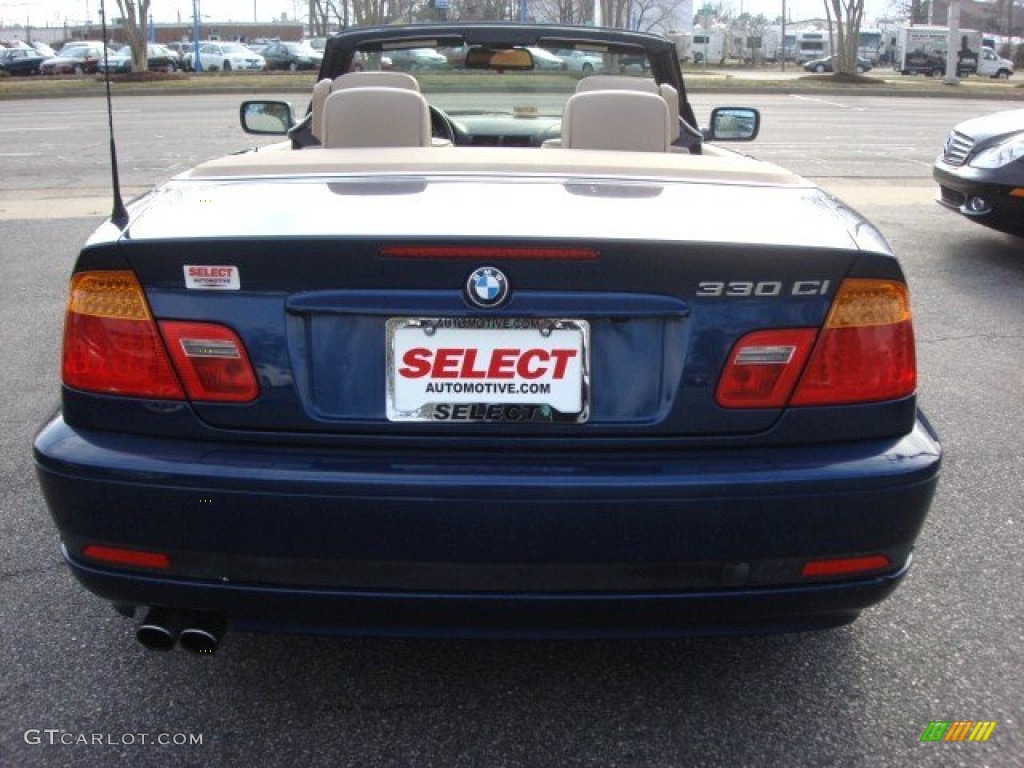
[(763, 367), (211, 361), (111, 344), (865, 352)]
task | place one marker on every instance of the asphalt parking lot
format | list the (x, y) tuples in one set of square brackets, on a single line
[(77, 690)]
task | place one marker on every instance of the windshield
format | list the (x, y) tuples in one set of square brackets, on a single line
[(540, 91)]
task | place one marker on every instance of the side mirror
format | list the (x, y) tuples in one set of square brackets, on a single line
[(266, 118), (733, 124)]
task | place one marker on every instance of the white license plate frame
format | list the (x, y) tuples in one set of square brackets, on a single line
[(470, 369)]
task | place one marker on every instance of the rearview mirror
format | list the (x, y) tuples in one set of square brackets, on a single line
[(514, 59), (733, 124), (266, 118)]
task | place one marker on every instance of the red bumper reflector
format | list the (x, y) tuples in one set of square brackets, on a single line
[(845, 566), (132, 557), (478, 252)]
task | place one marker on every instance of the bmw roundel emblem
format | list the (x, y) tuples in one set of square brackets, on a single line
[(487, 287)]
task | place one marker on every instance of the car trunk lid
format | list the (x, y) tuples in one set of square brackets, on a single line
[(624, 296)]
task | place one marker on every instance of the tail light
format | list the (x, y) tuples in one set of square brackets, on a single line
[(113, 345), (211, 361), (863, 353), (478, 252), (763, 368)]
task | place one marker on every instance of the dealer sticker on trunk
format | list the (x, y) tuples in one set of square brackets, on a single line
[(205, 277), (487, 370)]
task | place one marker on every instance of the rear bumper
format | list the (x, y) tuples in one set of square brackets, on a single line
[(513, 615), (511, 543)]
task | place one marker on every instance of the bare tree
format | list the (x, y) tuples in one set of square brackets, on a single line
[(135, 15), (648, 15), (319, 22), (846, 15), (635, 14), (613, 13), (368, 12), (560, 11)]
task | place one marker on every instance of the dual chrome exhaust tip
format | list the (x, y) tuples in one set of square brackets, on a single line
[(164, 628)]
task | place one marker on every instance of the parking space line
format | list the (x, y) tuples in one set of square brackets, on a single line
[(829, 103)]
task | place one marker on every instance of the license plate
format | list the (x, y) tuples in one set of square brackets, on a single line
[(487, 370)]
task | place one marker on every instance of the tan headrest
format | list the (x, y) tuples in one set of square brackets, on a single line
[(375, 79), (376, 117), (671, 97), (616, 83), (625, 120), (320, 93)]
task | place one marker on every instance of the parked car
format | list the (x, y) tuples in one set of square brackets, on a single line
[(292, 56), (544, 59), (417, 59), (225, 57), (922, 62), (260, 44), (469, 362), (580, 61), (178, 49), (43, 49), (825, 65), (634, 62), (75, 59), (159, 58), (980, 170), (20, 61), (454, 55)]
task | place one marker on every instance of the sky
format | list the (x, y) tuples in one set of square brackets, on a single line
[(57, 12)]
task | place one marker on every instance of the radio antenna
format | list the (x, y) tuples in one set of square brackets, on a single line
[(119, 214)]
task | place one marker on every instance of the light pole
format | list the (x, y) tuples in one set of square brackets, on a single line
[(953, 43), (782, 43), (197, 64)]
